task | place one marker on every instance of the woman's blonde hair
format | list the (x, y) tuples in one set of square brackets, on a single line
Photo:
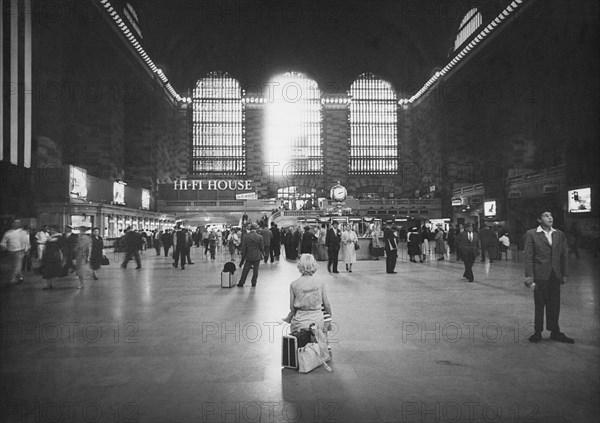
[(307, 265)]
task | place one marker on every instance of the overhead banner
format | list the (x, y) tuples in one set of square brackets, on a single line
[(246, 196)]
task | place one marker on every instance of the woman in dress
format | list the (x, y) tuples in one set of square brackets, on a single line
[(53, 260), (308, 297), (349, 241), (97, 252)]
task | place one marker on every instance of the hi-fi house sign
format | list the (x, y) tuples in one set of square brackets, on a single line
[(212, 185)]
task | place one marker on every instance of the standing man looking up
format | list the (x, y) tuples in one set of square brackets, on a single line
[(333, 241), (252, 253), (468, 246), (546, 265)]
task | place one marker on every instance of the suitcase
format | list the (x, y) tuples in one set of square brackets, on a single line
[(290, 345), (228, 280), (289, 352)]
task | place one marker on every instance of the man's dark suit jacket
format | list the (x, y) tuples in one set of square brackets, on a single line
[(468, 247), (332, 239), (541, 258), (252, 246), (389, 239)]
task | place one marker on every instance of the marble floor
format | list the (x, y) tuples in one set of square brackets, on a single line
[(169, 345)]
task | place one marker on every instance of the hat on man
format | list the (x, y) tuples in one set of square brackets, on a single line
[(307, 228), (253, 226), (468, 225), (335, 222)]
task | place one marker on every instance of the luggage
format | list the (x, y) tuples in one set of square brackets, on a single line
[(289, 352), (378, 251), (290, 345), (228, 280)]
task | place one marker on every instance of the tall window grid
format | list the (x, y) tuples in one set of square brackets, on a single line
[(293, 125), (373, 127), (217, 127), (468, 26)]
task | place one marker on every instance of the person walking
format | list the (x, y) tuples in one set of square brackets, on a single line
[(307, 240), (16, 242), (167, 241), (69, 246), (489, 244), (574, 239), (350, 242), (132, 242), (53, 261), (267, 238), (546, 266), (156, 240), (179, 242), (212, 243), (252, 251), (321, 243), (468, 244), (414, 245), (187, 248), (391, 248), (97, 252), (41, 237), (82, 254), (451, 240), (375, 244), (440, 242), (333, 241), (233, 241), (275, 250)]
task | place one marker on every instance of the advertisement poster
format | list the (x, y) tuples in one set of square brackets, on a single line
[(77, 182), (580, 200)]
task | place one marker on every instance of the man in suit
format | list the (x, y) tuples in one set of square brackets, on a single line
[(467, 243), (391, 248), (267, 237), (275, 250), (333, 241), (252, 253), (546, 265)]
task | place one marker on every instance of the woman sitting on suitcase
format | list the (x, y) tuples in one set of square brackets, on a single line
[(308, 298)]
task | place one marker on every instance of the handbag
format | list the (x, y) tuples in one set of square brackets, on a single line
[(309, 357), (105, 261), (356, 246)]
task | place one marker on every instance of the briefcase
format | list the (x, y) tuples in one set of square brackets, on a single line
[(378, 251), (228, 280)]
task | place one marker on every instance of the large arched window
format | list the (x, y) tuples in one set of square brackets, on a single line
[(217, 141), (373, 126), (293, 125), (468, 26)]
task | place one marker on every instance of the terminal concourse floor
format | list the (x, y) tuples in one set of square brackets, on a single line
[(169, 345)]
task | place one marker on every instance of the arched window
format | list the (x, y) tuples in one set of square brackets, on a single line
[(468, 26), (373, 126), (217, 141), (293, 125)]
